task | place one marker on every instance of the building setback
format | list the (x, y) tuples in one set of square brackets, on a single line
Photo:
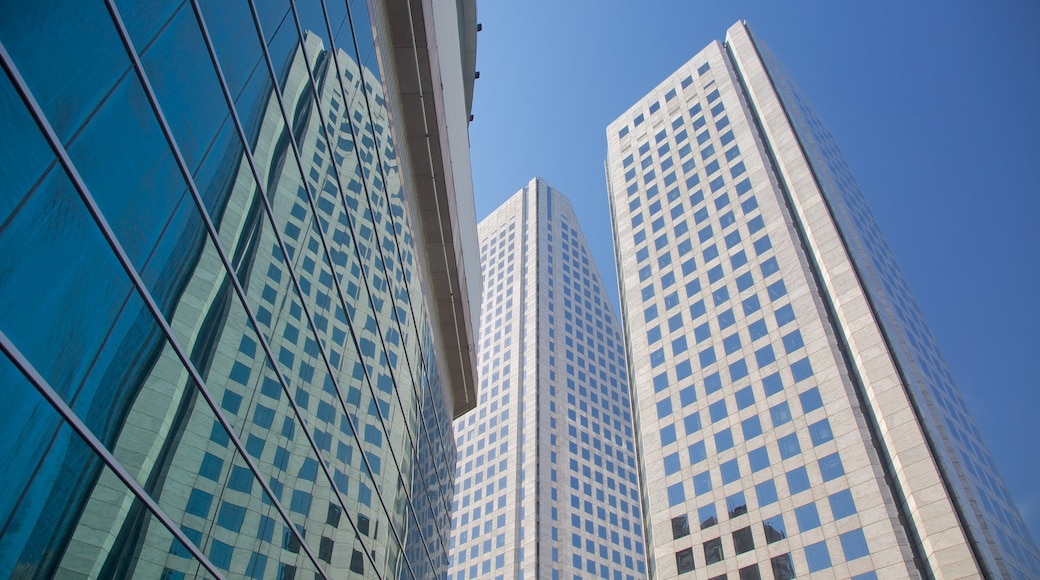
[(546, 482), (238, 257), (795, 414)]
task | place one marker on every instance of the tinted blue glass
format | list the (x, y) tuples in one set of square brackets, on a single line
[(758, 329), (817, 557), (807, 516), (831, 467), (687, 395), (751, 427), (718, 411), (842, 504), (730, 471), (731, 343), (702, 332), (707, 356), (668, 434), (751, 305), (766, 493), (708, 516), (727, 319), (765, 356), (738, 370), (789, 446), (811, 400), (664, 408), (854, 544), (774, 528), (801, 370), (723, 440), (698, 453), (712, 383), (772, 384), (736, 505), (676, 495), (780, 413), (759, 459), (745, 398), (671, 463), (683, 370), (692, 423), (820, 432), (797, 480), (702, 483)]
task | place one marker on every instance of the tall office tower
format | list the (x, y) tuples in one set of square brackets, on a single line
[(795, 414), (238, 250), (546, 482)]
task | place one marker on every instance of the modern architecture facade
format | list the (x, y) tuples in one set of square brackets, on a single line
[(795, 414), (546, 481), (238, 287)]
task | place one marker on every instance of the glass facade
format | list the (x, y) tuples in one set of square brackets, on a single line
[(219, 354), (546, 480), (779, 431)]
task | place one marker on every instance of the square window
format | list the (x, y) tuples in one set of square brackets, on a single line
[(820, 432), (817, 556), (707, 356), (718, 411), (811, 400), (749, 572), (766, 493), (752, 427), (784, 315), (783, 567), (723, 440), (668, 434), (793, 341), (676, 495), (671, 463), (781, 414), (801, 370), (727, 319), (730, 471), (797, 480), (831, 467), (702, 483), (765, 356), (687, 395), (736, 505), (698, 453), (842, 504), (738, 370), (745, 281), (684, 560), (751, 305), (692, 422), (702, 332), (758, 329), (680, 527), (745, 398), (759, 459), (789, 446), (664, 408), (707, 516), (713, 551), (808, 517), (774, 529), (743, 541), (854, 544), (731, 343)]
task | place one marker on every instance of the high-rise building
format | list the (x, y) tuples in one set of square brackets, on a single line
[(794, 411), (546, 482), (238, 287)]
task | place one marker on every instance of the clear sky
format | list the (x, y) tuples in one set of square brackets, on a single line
[(936, 107)]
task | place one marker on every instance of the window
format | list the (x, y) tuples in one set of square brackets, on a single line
[(854, 545), (789, 446), (750, 573), (743, 540), (730, 471), (736, 505), (811, 400), (781, 414), (807, 516), (766, 493), (702, 483), (817, 556), (692, 422), (759, 459), (684, 560), (774, 529), (698, 453), (820, 432), (680, 527), (797, 480), (842, 504), (783, 567), (707, 516), (831, 467), (723, 440), (718, 411), (713, 551), (676, 495), (793, 341), (751, 427), (671, 463)]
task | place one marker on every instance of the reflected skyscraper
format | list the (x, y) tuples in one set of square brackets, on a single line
[(795, 414), (235, 287), (546, 482)]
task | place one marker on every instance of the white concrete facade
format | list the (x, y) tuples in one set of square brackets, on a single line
[(546, 484), (769, 396)]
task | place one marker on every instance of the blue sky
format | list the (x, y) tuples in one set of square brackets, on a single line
[(934, 106)]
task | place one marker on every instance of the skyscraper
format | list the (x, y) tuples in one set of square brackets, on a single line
[(238, 256), (546, 483), (795, 413)]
